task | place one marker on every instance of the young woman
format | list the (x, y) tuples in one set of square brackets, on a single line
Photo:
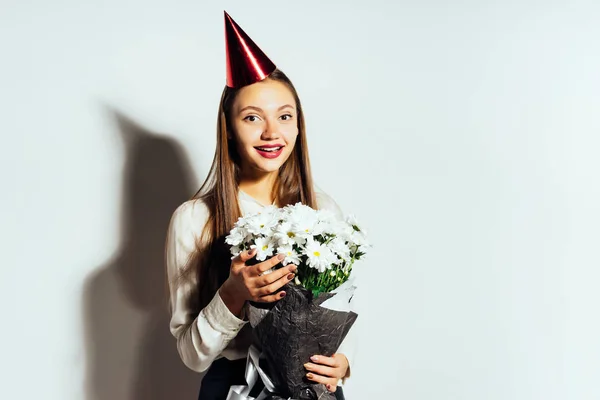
[(261, 159)]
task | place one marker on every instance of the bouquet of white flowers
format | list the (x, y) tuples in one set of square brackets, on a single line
[(301, 324), (323, 247)]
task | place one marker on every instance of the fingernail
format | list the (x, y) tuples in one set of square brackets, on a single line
[(328, 387), (251, 252), (280, 257), (281, 294), (294, 268), (290, 277), (310, 376), (315, 358)]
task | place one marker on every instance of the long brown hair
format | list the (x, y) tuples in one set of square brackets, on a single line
[(220, 193)]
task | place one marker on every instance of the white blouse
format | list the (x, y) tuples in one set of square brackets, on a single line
[(215, 332)]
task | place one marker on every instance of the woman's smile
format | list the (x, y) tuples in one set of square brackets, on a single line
[(270, 150)]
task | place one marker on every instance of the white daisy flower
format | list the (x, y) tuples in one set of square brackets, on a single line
[(359, 238), (235, 251), (242, 222), (344, 230), (303, 222), (319, 256), (327, 223), (353, 222), (340, 247), (286, 235), (263, 222), (236, 236), (291, 256), (260, 225), (264, 248)]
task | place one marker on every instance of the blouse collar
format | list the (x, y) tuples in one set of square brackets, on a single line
[(252, 199)]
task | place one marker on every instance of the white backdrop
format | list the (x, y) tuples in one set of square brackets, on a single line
[(463, 134)]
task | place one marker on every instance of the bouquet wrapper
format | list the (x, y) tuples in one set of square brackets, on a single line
[(253, 374), (288, 333)]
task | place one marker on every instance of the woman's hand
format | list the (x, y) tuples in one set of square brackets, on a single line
[(327, 370), (248, 282)]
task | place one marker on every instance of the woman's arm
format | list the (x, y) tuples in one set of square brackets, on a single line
[(348, 348), (200, 338)]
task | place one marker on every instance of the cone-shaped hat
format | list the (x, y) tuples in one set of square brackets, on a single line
[(246, 63)]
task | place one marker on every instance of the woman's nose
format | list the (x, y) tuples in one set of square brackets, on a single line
[(271, 130)]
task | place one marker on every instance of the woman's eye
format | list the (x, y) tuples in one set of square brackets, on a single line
[(286, 117), (251, 118)]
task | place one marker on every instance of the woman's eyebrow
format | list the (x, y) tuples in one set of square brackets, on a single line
[(260, 109), (251, 108)]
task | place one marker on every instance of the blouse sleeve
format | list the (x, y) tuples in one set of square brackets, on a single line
[(200, 338), (349, 345)]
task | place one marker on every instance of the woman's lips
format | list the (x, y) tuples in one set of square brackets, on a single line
[(269, 154)]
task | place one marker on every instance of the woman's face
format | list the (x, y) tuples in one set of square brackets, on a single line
[(265, 126)]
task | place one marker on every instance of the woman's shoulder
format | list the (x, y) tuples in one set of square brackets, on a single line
[(190, 215), (191, 208), (326, 202), (184, 233)]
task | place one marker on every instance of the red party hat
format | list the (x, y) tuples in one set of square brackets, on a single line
[(246, 62)]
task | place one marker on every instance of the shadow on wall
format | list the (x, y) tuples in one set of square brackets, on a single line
[(131, 355)]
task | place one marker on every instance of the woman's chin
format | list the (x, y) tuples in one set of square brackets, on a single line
[(267, 166)]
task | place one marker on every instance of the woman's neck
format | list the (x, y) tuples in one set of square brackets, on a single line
[(260, 188)]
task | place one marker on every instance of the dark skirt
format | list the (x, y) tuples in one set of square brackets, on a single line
[(224, 373)]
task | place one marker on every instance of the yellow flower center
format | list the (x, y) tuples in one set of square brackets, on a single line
[(317, 254), (265, 247), (291, 234)]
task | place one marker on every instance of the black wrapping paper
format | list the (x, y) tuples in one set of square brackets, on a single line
[(294, 329)]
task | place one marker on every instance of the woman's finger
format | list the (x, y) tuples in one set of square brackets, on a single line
[(271, 298), (244, 256), (331, 383), (321, 370), (276, 275), (330, 361), (266, 265), (275, 286)]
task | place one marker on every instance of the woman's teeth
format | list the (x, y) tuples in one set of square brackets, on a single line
[(270, 149)]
